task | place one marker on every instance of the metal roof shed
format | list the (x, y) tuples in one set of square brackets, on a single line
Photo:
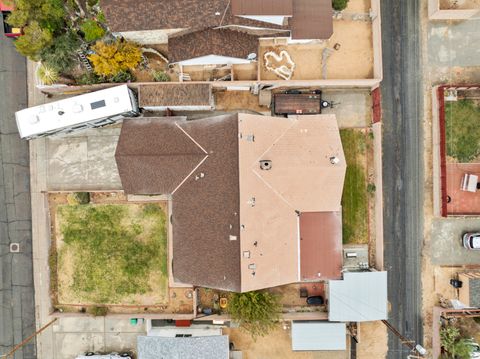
[(359, 297), (318, 336)]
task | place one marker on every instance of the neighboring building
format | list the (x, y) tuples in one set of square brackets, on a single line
[(469, 293), (255, 199), (209, 347), (359, 297), (152, 21), (316, 335), (176, 96)]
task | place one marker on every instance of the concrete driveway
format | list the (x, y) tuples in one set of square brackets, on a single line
[(446, 246), (83, 161)]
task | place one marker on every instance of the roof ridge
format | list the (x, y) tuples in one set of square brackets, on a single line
[(191, 138)]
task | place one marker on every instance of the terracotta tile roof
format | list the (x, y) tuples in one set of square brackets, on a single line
[(312, 19), (175, 94), (262, 7), (130, 15), (223, 42)]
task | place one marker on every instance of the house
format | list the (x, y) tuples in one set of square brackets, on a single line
[(153, 22), (469, 293), (255, 199)]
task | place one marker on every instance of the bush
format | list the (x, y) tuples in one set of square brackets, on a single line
[(82, 197), (62, 54), (97, 311), (256, 312), (160, 76), (111, 58), (49, 14), (47, 74), (34, 40), (339, 5), (122, 76), (89, 78), (92, 30), (455, 347)]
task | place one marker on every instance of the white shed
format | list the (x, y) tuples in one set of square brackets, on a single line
[(314, 335)]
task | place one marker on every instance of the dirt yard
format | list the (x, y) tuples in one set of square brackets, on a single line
[(459, 4), (354, 59), (238, 100), (276, 345), (373, 341)]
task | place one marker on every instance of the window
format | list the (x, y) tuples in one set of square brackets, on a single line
[(97, 104)]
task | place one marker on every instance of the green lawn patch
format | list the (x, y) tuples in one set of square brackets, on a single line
[(462, 120), (354, 199), (110, 254)]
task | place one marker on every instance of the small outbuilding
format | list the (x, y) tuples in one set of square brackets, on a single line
[(469, 293), (359, 297), (313, 335)]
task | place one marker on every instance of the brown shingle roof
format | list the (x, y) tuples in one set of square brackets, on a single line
[(167, 155), (312, 19), (154, 155), (130, 15), (223, 42), (172, 94), (262, 7)]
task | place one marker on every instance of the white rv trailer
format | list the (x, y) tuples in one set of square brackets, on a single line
[(94, 109)]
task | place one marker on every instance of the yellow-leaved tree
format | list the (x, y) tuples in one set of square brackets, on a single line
[(111, 58)]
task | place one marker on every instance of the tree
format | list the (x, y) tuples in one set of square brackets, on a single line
[(61, 54), (339, 5), (255, 311), (49, 14), (455, 347), (34, 40), (111, 58)]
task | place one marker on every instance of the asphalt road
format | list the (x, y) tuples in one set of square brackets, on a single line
[(17, 310), (402, 168)]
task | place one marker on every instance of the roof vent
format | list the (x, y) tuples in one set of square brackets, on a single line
[(252, 266), (251, 202), (266, 165), (233, 238), (334, 160), (251, 138)]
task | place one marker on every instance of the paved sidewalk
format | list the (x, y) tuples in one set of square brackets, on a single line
[(17, 316)]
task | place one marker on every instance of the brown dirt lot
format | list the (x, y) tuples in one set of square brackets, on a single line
[(459, 4), (277, 344)]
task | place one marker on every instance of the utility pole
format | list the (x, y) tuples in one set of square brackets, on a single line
[(405, 341), (18, 346)]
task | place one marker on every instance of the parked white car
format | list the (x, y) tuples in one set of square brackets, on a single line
[(471, 240)]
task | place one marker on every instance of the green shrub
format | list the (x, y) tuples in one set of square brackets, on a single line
[(371, 188), (82, 197), (47, 74), (92, 30), (62, 53), (97, 311), (339, 5), (122, 76), (89, 78), (257, 312), (33, 41), (455, 347), (49, 14), (160, 76)]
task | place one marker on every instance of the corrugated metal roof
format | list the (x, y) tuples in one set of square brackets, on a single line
[(359, 297), (211, 347), (319, 336)]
